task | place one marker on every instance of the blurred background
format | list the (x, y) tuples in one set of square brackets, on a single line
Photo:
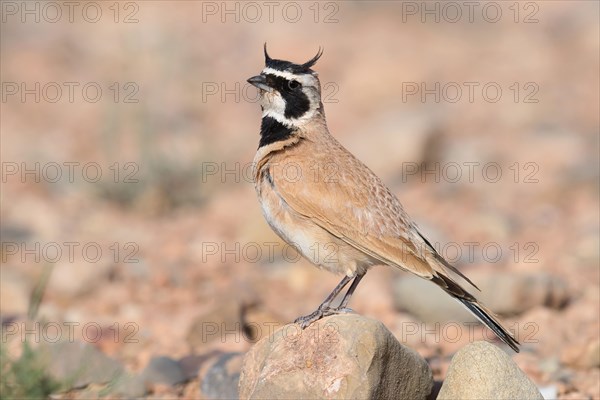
[(132, 239)]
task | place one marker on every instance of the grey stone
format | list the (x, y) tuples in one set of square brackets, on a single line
[(221, 380), (191, 364), (130, 386), (429, 303), (338, 357), (483, 371), (78, 364), (510, 293), (163, 370), (503, 293)]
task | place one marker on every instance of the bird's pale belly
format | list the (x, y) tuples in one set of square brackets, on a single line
[(313, 242)]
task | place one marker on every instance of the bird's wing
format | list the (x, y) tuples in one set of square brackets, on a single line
[(349, 201)]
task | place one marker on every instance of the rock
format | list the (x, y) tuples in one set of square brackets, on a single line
[(592, 355), (535, 367), (582, 355), (587, 382), (221, 380), (137, 271), (215, 325), (407, 136), (130, 386), (548, 366), (341, 356), (163, 370), (549, 392), (575, 396), (483, 371), (191, 364), (78, 364), (79, 277), (12, 233), (503, 293), (511, 294), (14, 293), (258, 323), (427, 302)]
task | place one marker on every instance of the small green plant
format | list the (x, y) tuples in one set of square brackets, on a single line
[(25, 377)]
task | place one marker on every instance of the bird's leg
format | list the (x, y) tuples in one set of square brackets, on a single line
[(346, 299), (324, 308)]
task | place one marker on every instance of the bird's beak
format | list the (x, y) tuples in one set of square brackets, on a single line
[(260, 81)]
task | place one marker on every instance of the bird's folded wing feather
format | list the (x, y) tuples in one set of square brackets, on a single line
[(357, 208)]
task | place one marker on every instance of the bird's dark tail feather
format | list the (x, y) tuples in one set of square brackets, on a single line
[(486, 316)]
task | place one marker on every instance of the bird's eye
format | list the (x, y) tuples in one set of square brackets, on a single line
[(294, 85)]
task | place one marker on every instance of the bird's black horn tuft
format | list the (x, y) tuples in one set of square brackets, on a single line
[(267, 58), (313, 60)]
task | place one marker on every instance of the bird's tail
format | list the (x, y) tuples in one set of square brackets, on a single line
[(482, 313), (487, 317)]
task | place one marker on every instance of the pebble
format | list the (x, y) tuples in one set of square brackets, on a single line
[(221, 379), (163, 370), (78, 364)]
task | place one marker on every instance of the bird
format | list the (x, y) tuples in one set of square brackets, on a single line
[(321, 199)]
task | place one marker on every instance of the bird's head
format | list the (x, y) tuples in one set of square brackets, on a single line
[(289, 93)]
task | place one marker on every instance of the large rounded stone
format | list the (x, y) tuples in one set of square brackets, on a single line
[(338, 357)]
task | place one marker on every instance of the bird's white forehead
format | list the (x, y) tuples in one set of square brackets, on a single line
[(304, 79)]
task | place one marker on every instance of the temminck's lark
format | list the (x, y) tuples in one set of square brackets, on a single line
[(321, 199)]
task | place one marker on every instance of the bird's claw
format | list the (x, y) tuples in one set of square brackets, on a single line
[(319, 313)]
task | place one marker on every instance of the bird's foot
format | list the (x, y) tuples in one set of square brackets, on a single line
[(320, 313), (313, 317)]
